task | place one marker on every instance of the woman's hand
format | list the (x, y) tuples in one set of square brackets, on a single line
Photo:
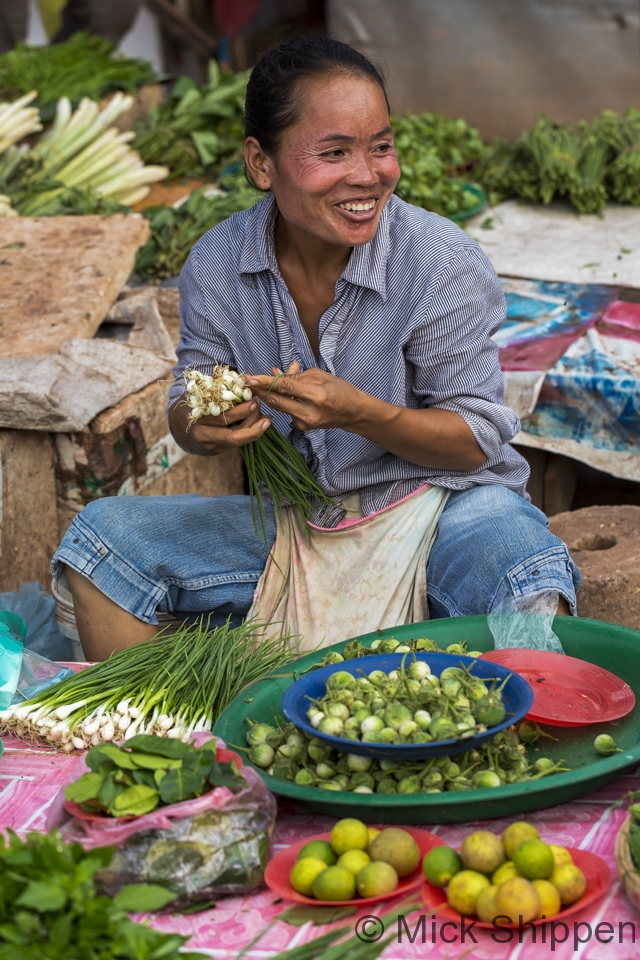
[(209, 436), (313, 399)]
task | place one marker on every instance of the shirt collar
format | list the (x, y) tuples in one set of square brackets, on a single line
[(367, 265)]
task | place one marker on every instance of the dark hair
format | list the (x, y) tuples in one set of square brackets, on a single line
[(271, 92)]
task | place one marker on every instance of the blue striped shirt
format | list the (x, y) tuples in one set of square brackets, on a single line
[(411, 324)]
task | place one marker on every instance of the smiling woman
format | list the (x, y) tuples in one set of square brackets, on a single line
[(363, 327)]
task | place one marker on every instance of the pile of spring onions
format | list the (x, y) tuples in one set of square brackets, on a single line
[(82, 155), (171, 686), (271, 461)]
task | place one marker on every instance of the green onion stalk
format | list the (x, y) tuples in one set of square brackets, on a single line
[(173, 685)]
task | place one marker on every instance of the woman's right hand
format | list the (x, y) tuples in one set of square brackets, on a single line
[(209, 436)]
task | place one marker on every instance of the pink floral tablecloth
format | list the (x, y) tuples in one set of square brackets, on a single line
[(29, 779)]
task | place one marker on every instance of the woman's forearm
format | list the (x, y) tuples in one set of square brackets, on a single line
[(429, 437)]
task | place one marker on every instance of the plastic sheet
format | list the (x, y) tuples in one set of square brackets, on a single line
[(12, 632), (526, 622), (37, 608), (215, 845)]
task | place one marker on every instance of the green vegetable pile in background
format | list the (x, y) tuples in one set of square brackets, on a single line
[(435, 153), (634, 835), (151, 772), (586, 164), (199, 129), (174, 231), (83, 66), (50, 910)]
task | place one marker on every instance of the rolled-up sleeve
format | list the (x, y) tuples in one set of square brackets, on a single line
[(454, 358)]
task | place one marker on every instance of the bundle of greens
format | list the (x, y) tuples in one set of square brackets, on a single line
[(50, 908), (173, 685), (80, 157), (149, 772), (175, 230), (199, 129), (634, 835), (434, 152), (82, 66)]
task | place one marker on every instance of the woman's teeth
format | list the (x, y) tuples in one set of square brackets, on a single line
[(358, 207)]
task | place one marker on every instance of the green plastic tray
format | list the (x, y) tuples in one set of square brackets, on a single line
[(610, 646)]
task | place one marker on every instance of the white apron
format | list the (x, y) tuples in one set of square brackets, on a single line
[(330, 584)]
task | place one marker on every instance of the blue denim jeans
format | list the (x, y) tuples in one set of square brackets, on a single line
[(191, 554)]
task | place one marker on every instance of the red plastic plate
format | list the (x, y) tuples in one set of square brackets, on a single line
[(594, 868), (222, 756), (276, 876), (567, 692)]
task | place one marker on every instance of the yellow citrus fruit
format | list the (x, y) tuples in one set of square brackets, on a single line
[(354, 860), (482, 851), (398, 848), (320, 849), (349, 834), (440, 864), (373, 832), (334, 883), (570, 882), (550, 902), (464, 889), (517, 898), (376, 879), (533, 860), (304, 873), (515, 834), (486, 904), (505, 871), (560, 855)]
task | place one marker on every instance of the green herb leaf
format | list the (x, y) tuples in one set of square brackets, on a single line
[(135, 801), (180, 785), (151, 761), (143, 898), (299, 915), (86, 788), (162, 746), (109, 751), (42, 896)]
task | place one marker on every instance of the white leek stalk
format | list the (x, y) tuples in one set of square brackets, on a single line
[(18, 121)]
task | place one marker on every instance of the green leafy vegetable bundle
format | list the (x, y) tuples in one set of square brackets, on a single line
[(174, 231), (150, 772), (434, 152), (50, 908), (199, 129), (83, 66)]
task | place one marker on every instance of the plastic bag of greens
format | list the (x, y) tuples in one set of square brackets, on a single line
[(526, 622), (214, 845)]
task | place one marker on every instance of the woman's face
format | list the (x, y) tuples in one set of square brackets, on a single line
[(336, 167)]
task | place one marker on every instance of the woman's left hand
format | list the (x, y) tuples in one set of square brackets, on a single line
[(314, 399)]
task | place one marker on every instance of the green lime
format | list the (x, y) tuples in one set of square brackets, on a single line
[(334, 883), (349, 834), (376, 879), (534, 860), (320, 849), (304, 874), (440, 864), (354, 860)]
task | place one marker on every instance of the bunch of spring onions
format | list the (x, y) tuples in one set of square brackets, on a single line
[(172, 686), (17, 120), (271, 461), (84, 152)]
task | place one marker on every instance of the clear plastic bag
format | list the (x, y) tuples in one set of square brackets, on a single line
[(526, 622), (12, 634), (215, 845), (37, 609)]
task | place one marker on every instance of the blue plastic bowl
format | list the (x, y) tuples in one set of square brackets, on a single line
[(517, 697)]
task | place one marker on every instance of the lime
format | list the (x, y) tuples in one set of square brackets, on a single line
[(334, 883), (482, 851), (515, 834), (304, 874), (373, 832), (517, 899), (354, 860), (486, 904), (440, 864), (398, 848), (320, 850), (376, 879), (550, 902), (464, 889), (560, 855), (570, 882), (349, 834), (533, 860), (505, 871)]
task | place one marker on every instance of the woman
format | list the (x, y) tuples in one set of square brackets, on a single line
[(381, 315)]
